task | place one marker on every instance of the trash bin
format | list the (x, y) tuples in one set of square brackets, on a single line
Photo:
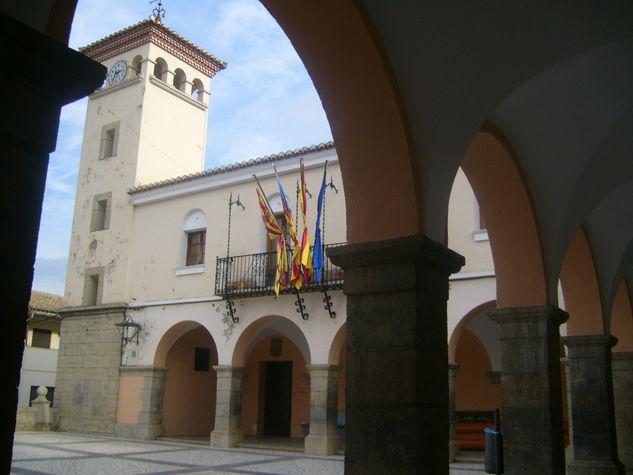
[(494, 451)]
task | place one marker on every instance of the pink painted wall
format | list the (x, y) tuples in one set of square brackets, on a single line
[(189, 398), (129, 402), (253, 392)]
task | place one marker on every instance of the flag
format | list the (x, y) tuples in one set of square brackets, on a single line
[(306, 258), (274, 232), (295, 278), (317, 259)]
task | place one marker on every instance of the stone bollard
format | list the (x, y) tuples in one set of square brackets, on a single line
[(43, 419)]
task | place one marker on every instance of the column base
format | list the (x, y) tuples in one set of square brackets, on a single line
[(323, 445), (226, 439), (454, 450), (138, 431), (595, 467)]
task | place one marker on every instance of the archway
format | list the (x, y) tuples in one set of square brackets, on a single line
[(189, 353), (276, 387)]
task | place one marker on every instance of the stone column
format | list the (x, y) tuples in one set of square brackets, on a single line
[(622, 364), (39, 75), (453, 445), (150, 417), (595, 443), (531, 389), (323, 438), (43, 418), (228, 407), (396, 379), (569, 450)]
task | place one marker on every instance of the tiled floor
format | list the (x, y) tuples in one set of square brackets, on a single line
[(36, 453)]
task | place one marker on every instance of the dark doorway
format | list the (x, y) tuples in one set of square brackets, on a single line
[(278, 398)]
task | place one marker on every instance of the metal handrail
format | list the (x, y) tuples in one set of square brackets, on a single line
[(251, 275)]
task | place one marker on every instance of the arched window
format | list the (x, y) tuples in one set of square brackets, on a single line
[(160, 69), (197, 90), (194, 229), (180, 80), (137, 64)]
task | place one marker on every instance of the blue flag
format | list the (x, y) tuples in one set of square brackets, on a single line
[(317, 260)]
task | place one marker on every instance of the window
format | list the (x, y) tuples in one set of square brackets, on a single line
[(101, 207), (93, 284), (180, 80), (109, 140), (197, 90), (194, 236), (41, 338), (201, 359), (137, 64), (195, 248), (160, 69)]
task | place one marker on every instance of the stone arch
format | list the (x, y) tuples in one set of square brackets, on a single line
[(496, 179), (161, 69), (180, 79), (366, 132), (581, 290), (197, 90), (137, 64), (189, 352), (454, 338), (276, 389)]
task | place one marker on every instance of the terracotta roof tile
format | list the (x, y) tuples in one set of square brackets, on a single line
[(234, 166), (44, 301)]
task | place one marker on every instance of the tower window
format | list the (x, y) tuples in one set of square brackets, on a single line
[(180, 80), (101, 206), (93, 284), (195, 247), (160, 69), (109, 140)]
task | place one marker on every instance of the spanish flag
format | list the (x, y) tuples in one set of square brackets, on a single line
[(274, 232), (306, 255), (296, 277)]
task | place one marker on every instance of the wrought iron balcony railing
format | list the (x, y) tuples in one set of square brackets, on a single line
[(253, 275)]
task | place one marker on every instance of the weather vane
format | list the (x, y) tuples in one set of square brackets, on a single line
[(159, 11)]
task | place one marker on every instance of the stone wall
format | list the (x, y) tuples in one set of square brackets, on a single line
[(88, 368)]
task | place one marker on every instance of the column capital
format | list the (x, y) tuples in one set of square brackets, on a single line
[(453, 366), (519, 322), (225, 369), (390, 251), (323, 367), (583, 344)]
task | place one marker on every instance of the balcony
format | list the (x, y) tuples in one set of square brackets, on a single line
[(253, 275)]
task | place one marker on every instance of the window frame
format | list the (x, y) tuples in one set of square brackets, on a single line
[(111, 150)]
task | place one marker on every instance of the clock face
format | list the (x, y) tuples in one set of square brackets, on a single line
[(117, 72)]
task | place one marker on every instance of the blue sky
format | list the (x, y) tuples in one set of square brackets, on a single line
[(263, 103)]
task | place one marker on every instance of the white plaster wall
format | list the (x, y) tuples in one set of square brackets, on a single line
[(39, 366), (158, 237), (319, 330), (465, 295), (463, 227)]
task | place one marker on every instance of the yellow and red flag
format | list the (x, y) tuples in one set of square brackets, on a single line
[(296, 276), (274, 232), (306, 255)]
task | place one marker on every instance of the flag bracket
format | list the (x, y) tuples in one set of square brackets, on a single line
[(300, 306), (230, 306), (327, 300)]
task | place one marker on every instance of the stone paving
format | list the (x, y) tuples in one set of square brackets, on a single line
[(36, 453)]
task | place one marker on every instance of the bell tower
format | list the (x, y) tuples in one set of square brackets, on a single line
[(145, 124)]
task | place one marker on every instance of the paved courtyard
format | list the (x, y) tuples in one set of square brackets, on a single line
[(67, 453)]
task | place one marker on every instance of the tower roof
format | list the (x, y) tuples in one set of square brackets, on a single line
[(153, 31)]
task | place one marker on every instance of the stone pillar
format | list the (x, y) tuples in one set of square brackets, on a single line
[(569, 450), (43, 418), (323, 438), (396, 379), (531, 389), (595, 443), (149, 423), (228, 407), (39, 75), (453, 445), (622, 364)]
